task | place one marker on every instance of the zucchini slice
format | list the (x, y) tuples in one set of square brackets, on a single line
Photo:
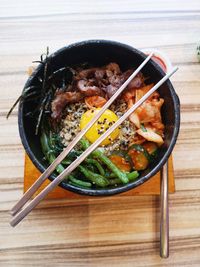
[(139, 156), (151, 148)]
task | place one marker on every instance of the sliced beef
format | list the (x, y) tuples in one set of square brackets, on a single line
[(88, 87), (100, 81), (61, 100)]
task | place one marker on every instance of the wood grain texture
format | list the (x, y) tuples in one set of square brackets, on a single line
[(124, 233)]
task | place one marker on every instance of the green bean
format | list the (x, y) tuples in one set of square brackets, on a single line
[(94, 177), (97, 164), (78, 185), (112, 175), (59, 167), (121, 175), (131, 175), (98, 179), (99, 155), (79, 182), (66, 161), (84, 143), (71, 157)]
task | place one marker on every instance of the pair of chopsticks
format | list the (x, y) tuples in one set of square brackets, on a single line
[(17, 210)]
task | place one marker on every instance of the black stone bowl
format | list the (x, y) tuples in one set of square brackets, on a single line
[(100, 52)]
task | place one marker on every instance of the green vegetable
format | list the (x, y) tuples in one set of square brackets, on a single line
[(111, 166), (132, 176), (59, 167), (77, 185), (121, 153), (152, 149), (139, 157), (94, 177), (55, 143), (120, 174), (78, 182), (84, 143), (97, 164), (48, 152), (66, 161), (121, 160), (73, 155), (97, 179), (140, 148)]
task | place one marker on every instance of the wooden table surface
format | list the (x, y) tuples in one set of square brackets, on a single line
[(112, 233)]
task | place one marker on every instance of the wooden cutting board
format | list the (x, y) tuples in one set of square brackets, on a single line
[(151, 187)]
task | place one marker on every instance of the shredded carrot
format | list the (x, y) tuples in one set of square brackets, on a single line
[(95, 101), (120, 162)]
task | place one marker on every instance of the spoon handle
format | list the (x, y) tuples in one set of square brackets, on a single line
[(164, 219)]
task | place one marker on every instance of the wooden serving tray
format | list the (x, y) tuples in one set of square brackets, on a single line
[(151, 187)]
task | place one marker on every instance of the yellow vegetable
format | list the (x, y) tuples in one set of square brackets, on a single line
[(107, 119)]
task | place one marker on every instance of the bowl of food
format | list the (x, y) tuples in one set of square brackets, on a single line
[(66, 91)]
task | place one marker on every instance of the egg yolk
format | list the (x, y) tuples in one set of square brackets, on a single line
[(107, 119)]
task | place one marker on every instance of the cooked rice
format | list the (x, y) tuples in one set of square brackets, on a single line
[(70, 125)]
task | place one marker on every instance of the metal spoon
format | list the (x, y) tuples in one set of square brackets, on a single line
[(164, 218)]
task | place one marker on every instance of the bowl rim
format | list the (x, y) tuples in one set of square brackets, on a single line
[(121, 188)]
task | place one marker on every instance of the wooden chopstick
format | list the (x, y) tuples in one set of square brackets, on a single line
[(29, 193), (92, 147), (164, 218)]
